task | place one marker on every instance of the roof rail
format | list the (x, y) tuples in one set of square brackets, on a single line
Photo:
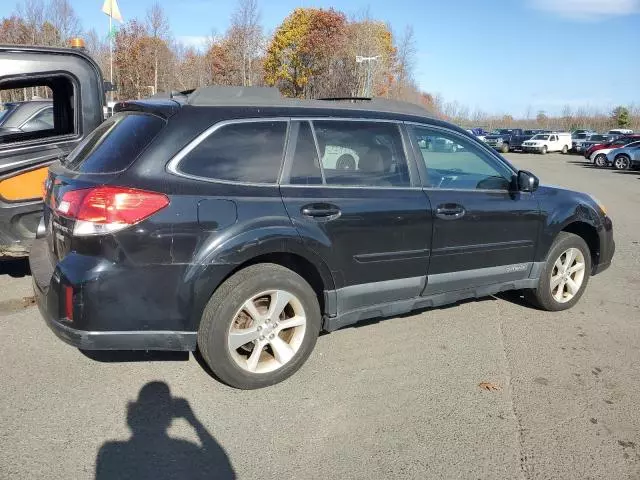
[(270, 97), (211, 95)]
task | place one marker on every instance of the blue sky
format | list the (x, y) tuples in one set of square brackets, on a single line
[(501, 56)]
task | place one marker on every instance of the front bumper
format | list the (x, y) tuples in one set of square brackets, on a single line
[(48, 286), (532, 149), (607, 247)]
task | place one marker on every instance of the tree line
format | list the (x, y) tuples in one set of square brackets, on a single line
[(313, 53)]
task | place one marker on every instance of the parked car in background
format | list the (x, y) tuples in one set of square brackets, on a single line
[(24, 117), (599, 158), (548, 142), (577, 138), (626, 157), (33, 134), (579, 131), (582, 146), (509, 139), (621, 131), (479, 133), (198, 205)]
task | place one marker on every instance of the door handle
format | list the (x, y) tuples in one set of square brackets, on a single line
[(450, 211), (321, 210)]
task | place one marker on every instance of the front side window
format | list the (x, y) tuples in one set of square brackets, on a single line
[(241, 152), (361, 153), (453, 162)]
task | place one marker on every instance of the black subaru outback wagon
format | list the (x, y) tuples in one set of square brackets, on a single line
[(242, 224)]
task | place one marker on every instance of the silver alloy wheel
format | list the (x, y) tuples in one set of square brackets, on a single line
[(567, 275), (600, 160), (267, 331), (621, 163)]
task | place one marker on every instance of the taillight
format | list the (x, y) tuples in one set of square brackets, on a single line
[(108, 209)]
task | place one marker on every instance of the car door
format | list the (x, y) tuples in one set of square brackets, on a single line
[(484, 233), (350, 192)]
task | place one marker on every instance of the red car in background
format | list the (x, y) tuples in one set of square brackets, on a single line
[(617, 143)]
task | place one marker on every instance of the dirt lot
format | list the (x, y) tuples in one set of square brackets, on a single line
[(394, 399)]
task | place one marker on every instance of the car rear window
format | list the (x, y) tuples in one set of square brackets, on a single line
[(115, 144), (240, 152)]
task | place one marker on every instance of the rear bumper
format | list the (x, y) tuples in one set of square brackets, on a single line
[(129, 340), (48, 286)]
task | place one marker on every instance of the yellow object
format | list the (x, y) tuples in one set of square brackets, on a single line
[(25, 186), (76, 43)]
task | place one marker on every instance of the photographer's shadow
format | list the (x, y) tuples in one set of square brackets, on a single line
[(151, 453)]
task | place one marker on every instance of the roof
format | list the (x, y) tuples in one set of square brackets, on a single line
[(217, 96)]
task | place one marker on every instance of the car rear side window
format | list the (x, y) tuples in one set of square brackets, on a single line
[(115, 144), (240, 152)]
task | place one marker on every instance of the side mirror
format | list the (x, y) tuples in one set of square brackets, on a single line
[(527, 181)]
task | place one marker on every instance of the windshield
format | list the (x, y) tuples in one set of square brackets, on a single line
[(598, 138), (579, 136), (501, 131), (540, 137)]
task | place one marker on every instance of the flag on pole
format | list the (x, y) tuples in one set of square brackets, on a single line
[(110, 7)]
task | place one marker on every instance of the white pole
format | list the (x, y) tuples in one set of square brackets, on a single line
[(111, 49)]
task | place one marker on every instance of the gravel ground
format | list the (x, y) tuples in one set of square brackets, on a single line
[(392, 399)]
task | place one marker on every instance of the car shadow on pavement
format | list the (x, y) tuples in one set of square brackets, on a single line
[(151, 454), (16, 268), (584, 164)]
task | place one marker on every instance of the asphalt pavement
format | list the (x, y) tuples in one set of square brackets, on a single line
[(398, 398)]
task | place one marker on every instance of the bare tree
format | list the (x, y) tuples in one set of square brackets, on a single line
[(246, 39), (63, 18), (158, 27), (32, 12), (406, 58)]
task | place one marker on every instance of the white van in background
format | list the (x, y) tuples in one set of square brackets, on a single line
[(548, 142)]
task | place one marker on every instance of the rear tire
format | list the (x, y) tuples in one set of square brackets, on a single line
[(227, 320), (565, 150), (600, 161), (560, 285)]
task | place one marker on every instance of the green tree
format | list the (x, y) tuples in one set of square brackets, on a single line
[(302, 48), (542, 119), (620, 116)]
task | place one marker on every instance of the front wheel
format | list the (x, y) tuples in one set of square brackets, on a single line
[(504, 148), (544, 150), (259, 327), (600, 161), (564, 276), (621, 162)]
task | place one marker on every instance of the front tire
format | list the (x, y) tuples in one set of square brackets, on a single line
[(600, 161), (504, 148), (565, 275), (621, 162), (543, 151), (259, 327)]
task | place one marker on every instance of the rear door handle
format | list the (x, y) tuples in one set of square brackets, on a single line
[(321, 211), (450, 211)]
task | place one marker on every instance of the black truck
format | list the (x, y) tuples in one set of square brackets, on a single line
[(509, 139), (50, 100)]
